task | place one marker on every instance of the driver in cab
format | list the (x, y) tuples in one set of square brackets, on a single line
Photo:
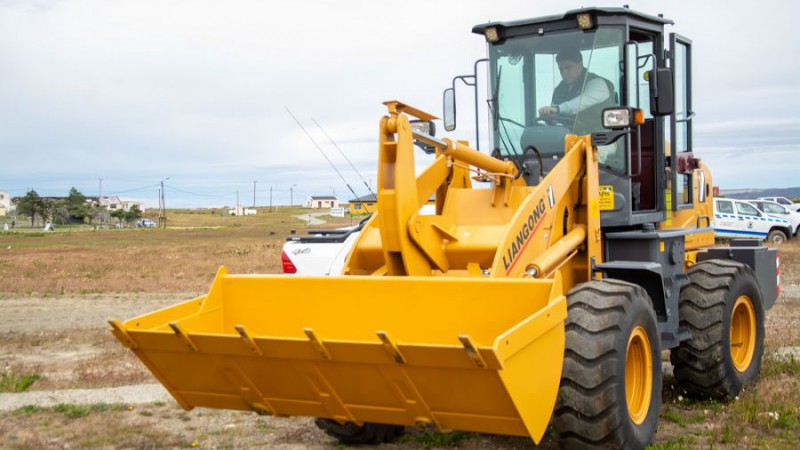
[(580, 97)]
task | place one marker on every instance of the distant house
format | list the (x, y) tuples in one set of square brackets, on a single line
[(115, 203), (242, 211), (363, 205), (368, 204), (5, 203), (321, 202)]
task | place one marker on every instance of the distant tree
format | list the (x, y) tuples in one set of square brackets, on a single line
[(56, 211), (31, 205), (118, 214), (99, 214), (133, 214), (76, 204)]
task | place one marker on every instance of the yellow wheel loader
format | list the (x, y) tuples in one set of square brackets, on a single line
[(554, 273)]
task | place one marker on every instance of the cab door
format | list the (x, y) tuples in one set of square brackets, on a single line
[(750, 222), (725, 222)]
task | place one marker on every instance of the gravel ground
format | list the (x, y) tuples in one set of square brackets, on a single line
[(129, 395), (65, 340)]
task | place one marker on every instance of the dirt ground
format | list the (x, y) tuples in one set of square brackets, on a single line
[(53, 342)]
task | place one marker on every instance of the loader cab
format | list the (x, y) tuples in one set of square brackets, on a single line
[(623, 54)]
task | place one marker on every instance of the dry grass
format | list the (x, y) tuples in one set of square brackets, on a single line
[(185, 258), (181, 258)]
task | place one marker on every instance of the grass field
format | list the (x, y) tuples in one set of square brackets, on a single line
[(181, 258), (70, 268)]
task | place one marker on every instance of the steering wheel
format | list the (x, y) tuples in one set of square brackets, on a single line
[(557, 119)]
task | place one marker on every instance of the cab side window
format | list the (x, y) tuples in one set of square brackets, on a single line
[(725, 207), (774, 209), (746, 209)]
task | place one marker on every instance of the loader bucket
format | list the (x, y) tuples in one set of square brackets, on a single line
[(471, 354)]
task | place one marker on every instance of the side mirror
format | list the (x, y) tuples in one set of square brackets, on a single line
[(449, 100), (662, 102)]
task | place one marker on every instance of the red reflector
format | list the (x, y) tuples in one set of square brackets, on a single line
[(288, 267), (778, 271)]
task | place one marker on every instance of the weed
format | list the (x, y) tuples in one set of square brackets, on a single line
[(788, 420), (10, 382), (29, 409), (673, 444), (264, 427), (727, 435), (675, 417), (431, 439), (775, 364), (71, 411), (103, 407), (699, 417)]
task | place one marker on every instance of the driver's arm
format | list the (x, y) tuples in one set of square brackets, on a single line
[(594, 92)]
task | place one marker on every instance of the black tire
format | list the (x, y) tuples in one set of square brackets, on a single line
[(705, 365), (367, 434), (592, 409), (777, 237)]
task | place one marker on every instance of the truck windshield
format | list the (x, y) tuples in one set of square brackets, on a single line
[(545, 86)]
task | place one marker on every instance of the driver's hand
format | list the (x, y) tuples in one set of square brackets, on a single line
[(547, 110)]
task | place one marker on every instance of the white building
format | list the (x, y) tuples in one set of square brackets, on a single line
[(5, 203), (321, 202), (114, 203)]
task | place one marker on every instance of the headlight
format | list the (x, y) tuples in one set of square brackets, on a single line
[(622, 117)]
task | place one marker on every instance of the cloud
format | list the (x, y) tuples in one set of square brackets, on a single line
[(133, 91)]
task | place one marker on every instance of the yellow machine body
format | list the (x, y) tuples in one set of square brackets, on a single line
[(454, 321)]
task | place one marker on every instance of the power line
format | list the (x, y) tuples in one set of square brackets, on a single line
[(321, 151), (369, 189), (173, 188)]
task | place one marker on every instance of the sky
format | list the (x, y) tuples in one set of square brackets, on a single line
[(120, 95)]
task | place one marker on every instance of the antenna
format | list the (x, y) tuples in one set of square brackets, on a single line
[(369, 189), (322, 151)]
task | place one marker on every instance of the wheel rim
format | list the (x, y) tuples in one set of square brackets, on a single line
[(777, 238), (743, 333), (638, 375)]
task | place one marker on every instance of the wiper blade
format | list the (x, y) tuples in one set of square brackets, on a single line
[(495, 94)]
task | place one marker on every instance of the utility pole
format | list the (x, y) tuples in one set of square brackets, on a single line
[(291, 195), (162, 206), (254, 193), (270, 199), (100, 197)]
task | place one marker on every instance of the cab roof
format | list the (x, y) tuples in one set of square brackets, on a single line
[(479, 29)]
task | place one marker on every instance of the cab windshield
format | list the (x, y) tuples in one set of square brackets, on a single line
[(545, 86)]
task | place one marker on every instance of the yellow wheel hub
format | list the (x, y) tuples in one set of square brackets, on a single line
[(638, 375), (743, 333)]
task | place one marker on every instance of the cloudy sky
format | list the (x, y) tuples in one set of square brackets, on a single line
[(136, 91)]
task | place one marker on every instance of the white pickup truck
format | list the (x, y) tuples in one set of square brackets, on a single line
[(782, 212), (323, 252), (740, 219), (783, 201)]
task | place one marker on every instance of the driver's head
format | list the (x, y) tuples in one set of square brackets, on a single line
[(570, 64)]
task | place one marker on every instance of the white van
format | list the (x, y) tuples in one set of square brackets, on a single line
[(739, 219)]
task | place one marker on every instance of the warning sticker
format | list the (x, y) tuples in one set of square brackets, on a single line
[(606, 198)]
